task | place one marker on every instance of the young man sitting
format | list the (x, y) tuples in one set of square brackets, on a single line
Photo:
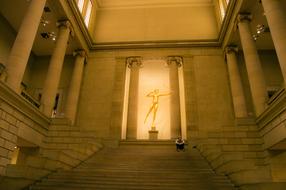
[(180, 144)]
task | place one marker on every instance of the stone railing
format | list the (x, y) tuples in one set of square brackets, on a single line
[(18, 121), (272, 122), (31, 99)]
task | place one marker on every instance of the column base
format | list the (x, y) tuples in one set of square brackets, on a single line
[(153, 134)]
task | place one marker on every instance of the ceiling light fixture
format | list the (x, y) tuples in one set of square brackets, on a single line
[(260, 29), (49, 35), (44, 22)]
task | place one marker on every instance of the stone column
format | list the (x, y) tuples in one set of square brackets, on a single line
[(55, 68), (253, 65), (134, 63), (20, 52), (75, 84), (276, 18), (238, 98), (175, 118)]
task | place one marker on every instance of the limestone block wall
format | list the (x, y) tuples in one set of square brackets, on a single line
[(45, 145), (237, 152), (272, 129), (18, 121), (272, 122), (208, 100), (95, 102), (252, 153)]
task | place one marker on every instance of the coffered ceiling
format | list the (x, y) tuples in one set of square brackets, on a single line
[(111, 4)]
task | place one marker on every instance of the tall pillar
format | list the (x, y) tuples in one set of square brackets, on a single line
[(175, 118), (276, 18), (75, 84), (55, 68), (253, 64), (235, 83), (23, 44), (134, 63)]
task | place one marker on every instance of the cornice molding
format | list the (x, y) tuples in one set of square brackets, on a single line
[(156, 44)]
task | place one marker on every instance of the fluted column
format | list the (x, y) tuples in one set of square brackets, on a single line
[(238, 97), (55, 68), (175, 118), (253, 64), (20, 52), (134, 63), (276, 17), (75, 84)]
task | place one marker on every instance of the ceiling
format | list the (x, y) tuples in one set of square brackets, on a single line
[(113, 4), (264, 41), (14, 15)]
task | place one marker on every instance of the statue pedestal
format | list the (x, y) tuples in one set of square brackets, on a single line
[(153, 133)]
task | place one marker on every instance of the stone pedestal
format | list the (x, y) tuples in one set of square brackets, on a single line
[(153, 134)]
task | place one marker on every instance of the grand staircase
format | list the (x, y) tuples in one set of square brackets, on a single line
[(139, 165)]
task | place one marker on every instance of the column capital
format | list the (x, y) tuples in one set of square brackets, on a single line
[(134, 61), (243, 16), (80, 52), (230, 49), (177, 59), (67, 24)]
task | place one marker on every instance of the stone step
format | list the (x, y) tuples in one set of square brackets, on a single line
[(138, 186), (142, 166)]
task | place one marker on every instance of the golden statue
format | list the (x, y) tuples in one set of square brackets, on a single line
[(154, 106)]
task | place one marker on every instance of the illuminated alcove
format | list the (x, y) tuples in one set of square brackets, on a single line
[(154, 74)]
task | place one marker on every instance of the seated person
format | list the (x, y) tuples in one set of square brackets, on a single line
[(180, 144)]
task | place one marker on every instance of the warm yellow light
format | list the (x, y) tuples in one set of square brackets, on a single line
[(80, 4), (88, 13), (153, 75)]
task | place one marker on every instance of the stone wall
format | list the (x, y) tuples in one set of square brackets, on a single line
[(170, 23), (43, 145), (208, 107), (18, 120)]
